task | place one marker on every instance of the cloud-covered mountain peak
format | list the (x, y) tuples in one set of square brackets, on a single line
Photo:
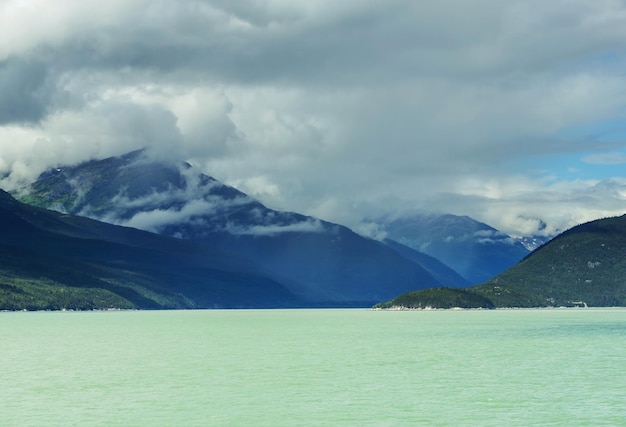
[(135, 190), (149, 192)]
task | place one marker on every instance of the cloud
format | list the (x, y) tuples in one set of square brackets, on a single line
[(493, 236), (372, 230), (26, 97), (155, 219), (339, 109), (103, 128), (310, 225), (192, 203), (521, 206)]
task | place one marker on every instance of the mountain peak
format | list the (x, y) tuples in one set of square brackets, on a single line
[(317, 260), (117, 189)]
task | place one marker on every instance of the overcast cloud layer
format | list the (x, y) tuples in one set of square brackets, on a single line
[(507, 111)]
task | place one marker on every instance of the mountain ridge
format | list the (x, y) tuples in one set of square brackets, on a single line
[(315, 259), (473, 249), (52, 261)]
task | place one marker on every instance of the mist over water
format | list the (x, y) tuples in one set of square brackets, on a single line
[(313, 367)]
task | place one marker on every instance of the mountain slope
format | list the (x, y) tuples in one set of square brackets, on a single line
[(52, 261), (473, 249), (439, 270), (317, 260), (584, 266)]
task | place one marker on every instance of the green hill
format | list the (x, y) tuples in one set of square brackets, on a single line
[(584, 266), (438, 298)]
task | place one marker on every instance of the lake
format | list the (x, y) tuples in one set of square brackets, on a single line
[(560, 367)]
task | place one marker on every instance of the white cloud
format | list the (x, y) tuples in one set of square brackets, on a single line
[(153, 220), (310, 225), (190, 213), (339, 109), (525, 206), (187, 205), (372, 230)]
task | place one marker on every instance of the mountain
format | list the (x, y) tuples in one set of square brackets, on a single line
[(50, 260), (475, 250), (436, 268), (318, 261), (584, 266)]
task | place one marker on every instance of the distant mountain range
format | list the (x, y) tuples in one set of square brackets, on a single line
[(584, 266), (473, 249), (177, 200), (318, 263), (136, 232)]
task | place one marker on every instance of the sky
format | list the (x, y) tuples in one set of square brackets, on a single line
[(510, 112)]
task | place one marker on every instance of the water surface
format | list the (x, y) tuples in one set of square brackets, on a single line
[(314, 367)]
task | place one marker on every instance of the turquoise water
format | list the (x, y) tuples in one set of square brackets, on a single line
[(314, 367)]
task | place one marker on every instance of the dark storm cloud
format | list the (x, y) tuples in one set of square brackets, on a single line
[(253, 42), (27, 90)]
